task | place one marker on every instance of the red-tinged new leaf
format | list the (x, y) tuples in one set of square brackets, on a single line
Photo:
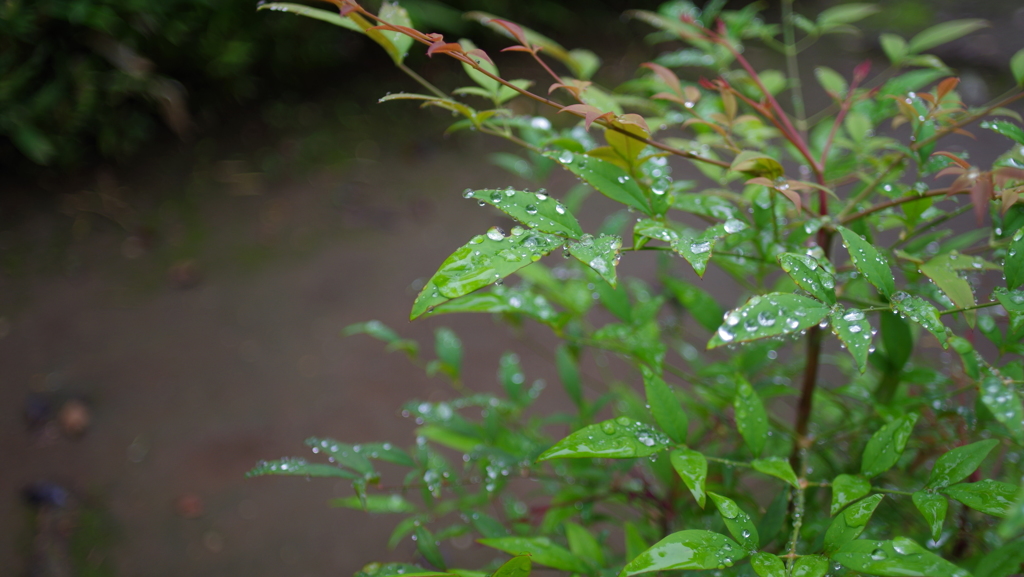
[(861, 71), (442, 47), (963, 163), (669, 97), (981, 194), (517, 48), (588, 112), (635, 120), (667, 76), (946, 86), (477, 53), (514, 29)]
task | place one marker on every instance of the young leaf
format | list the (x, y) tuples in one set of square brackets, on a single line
[(518, 566), (854, 330), (810, 276), (757, 164), (300, 467), (868, 262), (600, 254), (1002, 562), (1006, 128), (737, 521), (956, 465), (608, 179), (316, 13), (665, 406), (583, 544), (770, 315), (831, 81), (620, 438), (895, 47), (988, 496), (921, 312), (933, 508), (692, 467), (1013, 265), (847, 489), (345, 454), (1005, 404), (697, 249), (944, 272), (687, 550), (849, 524), (533, 209), (541, 550), (810, 566), (886, 445), (751, 418), (482, 261), (897, 558), (376, 504), (776, 467), (395, 14), (384, 452), (767, 565), (944, 32)]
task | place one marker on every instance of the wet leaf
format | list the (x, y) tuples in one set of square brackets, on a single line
[(533, 209), (608, 179), (665, 406), (847, 489), (426, 544), (1012, 301), (933, 508), (849, 524), (687, 550), (886, 445), (1013, 264), (769, 315), (697, 248), (868, 261), (343, 453), (852, 328), (957, 464), (1002, 562), (1006, 128), (380, 331), (619, 438), (316, 13), (447, 437), (600, 253), (396, 569), (449, 350), (756, 164), (1002, 400), (900, 557), (583, 544), (392, 13), (705, 205), (300, 467), (989, 496), (541, 550), (810, 566), (482, 261), (1014, 522), (807, 273), (501, 299), (384, 452), (376, 504), (751, 418), (737, 521), (776, 467), (697, 302), (518, 566), (921, 312), (767, 565), (692, 467), (944, 272), (942, 33)]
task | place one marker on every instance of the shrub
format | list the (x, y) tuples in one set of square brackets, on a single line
[(775, 452)]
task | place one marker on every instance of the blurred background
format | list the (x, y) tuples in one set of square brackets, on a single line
[(195, 198)]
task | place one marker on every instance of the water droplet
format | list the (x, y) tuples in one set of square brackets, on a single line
[(495, 233)]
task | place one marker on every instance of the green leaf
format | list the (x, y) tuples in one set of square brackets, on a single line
[(608, 179), (518, 566), (600, 253), (944, 32), (704, 205), (895, 47), (449, 349), (944, 272), (809, 275), (810, 566), (737, 521), (384, 452), (1005, 404), (302, 10), (989, 496), (921, 312), (897, 338), (1013, 264), (620, 438), (501, 299), (831, 81), (956, 465), (449, 438), (697, 249), (1017, 67), (853, 330), (687, 550), (1014, 522), (933, 508), (490, 85), (769, 315), (511, 376), (395, 569), (776, 467), (393, 13), (698, 302), (635, 543), (868, 261), (343, 453), (849, 524), (767, 565), (665, 406), (1012, 301), (886, 445), (541, 550), (1006, 128), (583, 544), (845, 13), (380, 331), (692, 467), (569, 374), (751, 418), (900, 557), (482, 261), (427, 545), (847, 489), (299, 467), (534, 209), (1002, 562), (376, 504), (754, 163)]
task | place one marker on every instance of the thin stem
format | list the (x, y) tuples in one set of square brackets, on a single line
[(899, 201), (933, 222), (867, 190), (510, 138), (961, 122), (422, 81), (970, 308), (795, 86), (798, 517), (728, 462), (891, 491)]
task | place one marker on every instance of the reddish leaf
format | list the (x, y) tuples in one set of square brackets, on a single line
[(963, 163), (981, 194), (441, 46), (667, 76), (513, 29), (947, 86), (481, 55), (588, 112), (517, 48), (635, 120), (860, 72)]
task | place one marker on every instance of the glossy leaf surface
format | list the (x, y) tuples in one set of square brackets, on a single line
[(518, 566), (847, 489), (921, 312), (776, 467), (542, 551), (901, 557), (376, 504), (957, 464), (535, 210), (769, 315), (886, 445), (737, 521), (619, 438), (988, 496), (299, 467), (665, 407), (854, 330), (767, 565), (1002, 399), (687, 550), (869, 262), (608, 179), (933, 508), (692, 467), (1013, 264), (751, 418), (849, 524), (807, 273), (599, 253)]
